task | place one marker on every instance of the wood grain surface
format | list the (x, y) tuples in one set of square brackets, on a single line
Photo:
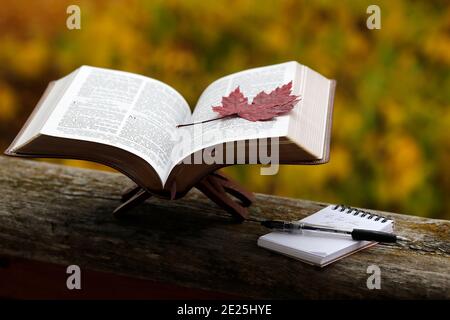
[(62, 215)]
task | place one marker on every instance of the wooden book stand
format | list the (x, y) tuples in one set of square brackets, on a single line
[(215, 186)]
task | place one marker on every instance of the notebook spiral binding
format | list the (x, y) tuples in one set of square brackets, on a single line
[(361, 213)]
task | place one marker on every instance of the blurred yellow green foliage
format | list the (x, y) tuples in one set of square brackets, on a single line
[(390, 143)]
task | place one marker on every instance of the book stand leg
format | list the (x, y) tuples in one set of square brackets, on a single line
[(216, 186)]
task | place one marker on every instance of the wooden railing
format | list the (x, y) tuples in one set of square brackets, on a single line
[(54, 216)]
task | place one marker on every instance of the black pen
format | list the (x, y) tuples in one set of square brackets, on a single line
[(356, 234)]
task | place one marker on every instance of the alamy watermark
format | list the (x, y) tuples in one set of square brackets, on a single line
[(263, 151), (374, 20), (74, 279), (73, 21), (374, 280)]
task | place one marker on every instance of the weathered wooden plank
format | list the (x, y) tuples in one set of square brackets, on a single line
[(62, 215)]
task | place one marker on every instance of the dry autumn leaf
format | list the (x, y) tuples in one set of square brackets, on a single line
[(265, 106)]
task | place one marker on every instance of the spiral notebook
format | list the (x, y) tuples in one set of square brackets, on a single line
[(319, 248)]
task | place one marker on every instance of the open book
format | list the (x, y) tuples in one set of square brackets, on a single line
[(129, 122)]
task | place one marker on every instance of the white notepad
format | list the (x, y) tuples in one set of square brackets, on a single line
[(320, 248)]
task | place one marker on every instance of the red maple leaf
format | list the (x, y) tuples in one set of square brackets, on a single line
[(264, 106), (232, 104), (279, 96)]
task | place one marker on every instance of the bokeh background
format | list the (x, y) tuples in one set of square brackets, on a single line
[(390, 142)]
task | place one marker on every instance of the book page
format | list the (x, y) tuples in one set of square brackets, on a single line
[(311, 117), (251, 82), (121, 109), (41, 112)]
